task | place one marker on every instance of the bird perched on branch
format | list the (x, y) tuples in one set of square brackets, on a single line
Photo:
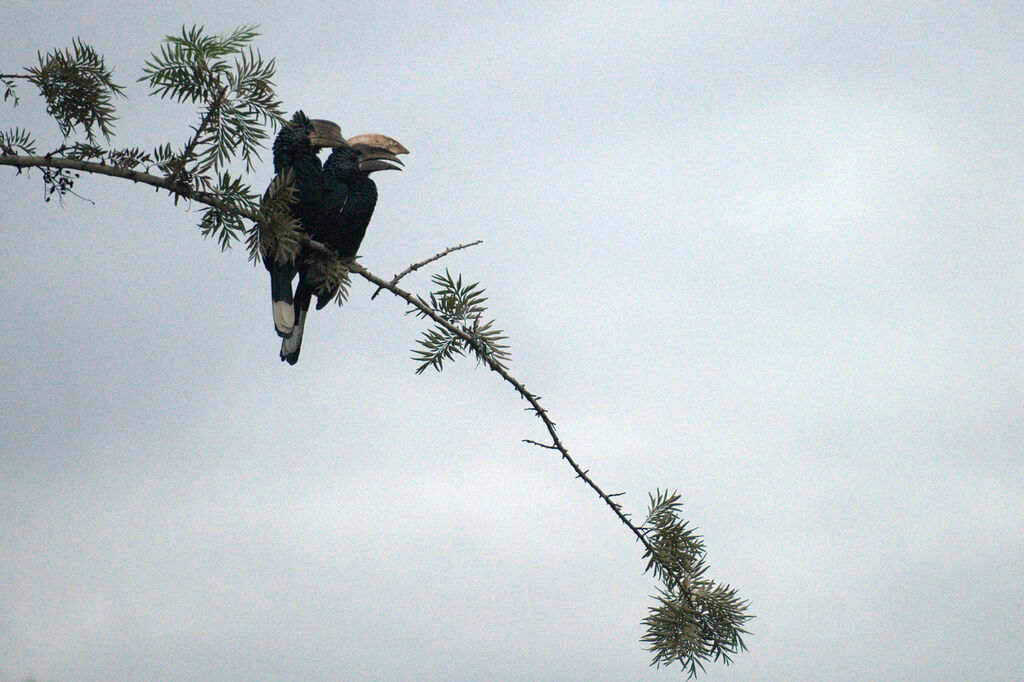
[(349, 194), (296, 149), (346, 205)]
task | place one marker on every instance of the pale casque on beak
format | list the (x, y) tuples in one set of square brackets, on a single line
[(377, 152), (325, 133)]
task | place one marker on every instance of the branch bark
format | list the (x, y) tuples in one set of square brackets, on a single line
[(161, 182), (417, 266), (535, 406)]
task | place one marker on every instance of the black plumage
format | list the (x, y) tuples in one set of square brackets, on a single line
[(334, 207), (349, 199), (296, 148), (348, 202)]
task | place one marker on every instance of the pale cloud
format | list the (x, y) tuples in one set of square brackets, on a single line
[(769, 256)]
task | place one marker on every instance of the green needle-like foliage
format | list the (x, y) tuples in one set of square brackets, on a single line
[(223, 223), (694, 620), (9, 93), (277, 237), (339, 280), (328, 275), (163, 157), (78, 89), (190, 67), (17, 140), (462, 306), (680, 550), (233, 86)]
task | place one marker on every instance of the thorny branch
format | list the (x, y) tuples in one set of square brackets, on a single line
[(178, 189), (689, 624), (417, 266), (535, 406)]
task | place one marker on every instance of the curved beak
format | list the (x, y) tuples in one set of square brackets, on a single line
[(378, 152), (325, 133)]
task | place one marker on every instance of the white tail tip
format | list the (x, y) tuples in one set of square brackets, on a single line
[(284, 316)]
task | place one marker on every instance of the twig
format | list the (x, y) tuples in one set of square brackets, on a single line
[(417, 266), (178, 171), (543, 445)]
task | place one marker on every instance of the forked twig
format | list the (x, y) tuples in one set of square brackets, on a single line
[(417, 266)]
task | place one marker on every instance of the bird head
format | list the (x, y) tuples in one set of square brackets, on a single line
[(317, 133), (377, 152)]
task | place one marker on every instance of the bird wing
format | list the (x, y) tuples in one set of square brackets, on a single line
[(335, 197)]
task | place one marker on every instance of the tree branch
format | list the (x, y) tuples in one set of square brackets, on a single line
[(694, 620), (556, 443), (186, 192), (187, 153), (417, 266), (688, 624), (170, 184)]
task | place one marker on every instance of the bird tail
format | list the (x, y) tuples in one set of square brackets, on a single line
[(281, 275), (291, 343)]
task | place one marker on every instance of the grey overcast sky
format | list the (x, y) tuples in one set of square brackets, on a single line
[(767, 254)]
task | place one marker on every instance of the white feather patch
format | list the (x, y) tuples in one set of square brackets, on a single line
[(284, 316), (290, 343)]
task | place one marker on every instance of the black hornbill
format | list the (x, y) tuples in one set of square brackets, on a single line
[(296, 147), (349, 197)]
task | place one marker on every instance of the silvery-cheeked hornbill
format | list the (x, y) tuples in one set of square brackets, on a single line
[(296, 147), (336, 216)]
